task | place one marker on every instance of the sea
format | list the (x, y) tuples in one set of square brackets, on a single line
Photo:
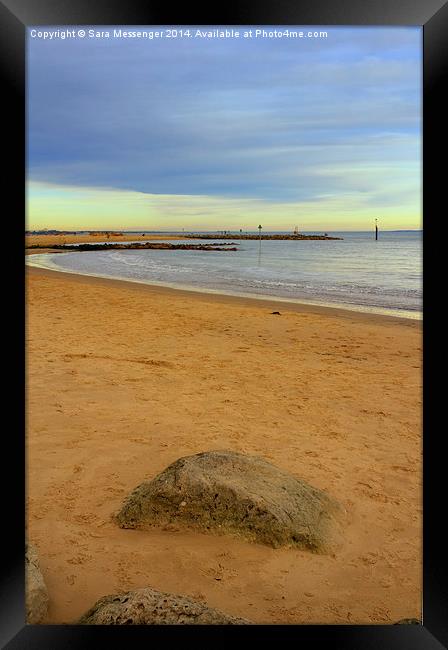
[(356, 272)]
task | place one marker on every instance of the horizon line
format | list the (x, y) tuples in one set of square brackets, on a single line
[(145, 230)]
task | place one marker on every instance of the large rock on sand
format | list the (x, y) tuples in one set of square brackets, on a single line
[(150, 607), (36, 594), (229, 492)]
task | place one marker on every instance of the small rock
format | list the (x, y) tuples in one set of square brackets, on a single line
[(408, 621), (276, 312), (36, 594), (150, 607)]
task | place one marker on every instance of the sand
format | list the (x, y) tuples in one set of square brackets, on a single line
[(51, 240), (123, 379)]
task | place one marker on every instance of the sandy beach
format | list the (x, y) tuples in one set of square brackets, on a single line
[(76, 238), (123, 379)]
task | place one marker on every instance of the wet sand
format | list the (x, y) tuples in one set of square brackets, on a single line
[(123, 379)]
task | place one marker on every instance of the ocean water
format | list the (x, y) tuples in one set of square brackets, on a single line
[(359, 273)]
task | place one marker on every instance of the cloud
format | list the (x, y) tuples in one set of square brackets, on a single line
[(83, 208), (277, 121)]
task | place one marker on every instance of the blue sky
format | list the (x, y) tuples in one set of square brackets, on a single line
[(211, 133)]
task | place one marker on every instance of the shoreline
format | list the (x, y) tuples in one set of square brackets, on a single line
[(274, 302), (73, 238)]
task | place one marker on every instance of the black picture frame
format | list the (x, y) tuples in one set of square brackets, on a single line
[(15, 17)]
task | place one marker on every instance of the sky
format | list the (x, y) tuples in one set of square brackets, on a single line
[(222, 134)]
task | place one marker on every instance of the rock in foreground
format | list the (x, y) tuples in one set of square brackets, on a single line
[(229, 492), (36, 594), (150, 607), (408, 621)]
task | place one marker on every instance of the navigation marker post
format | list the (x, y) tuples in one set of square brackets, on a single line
[(376, 229)]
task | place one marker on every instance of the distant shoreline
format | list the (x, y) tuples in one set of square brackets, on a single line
[(215, 233), (61, 244), (298, 237), (300, 305), (117, 237)]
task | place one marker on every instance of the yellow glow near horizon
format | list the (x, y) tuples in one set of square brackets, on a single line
[(61, 207)]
